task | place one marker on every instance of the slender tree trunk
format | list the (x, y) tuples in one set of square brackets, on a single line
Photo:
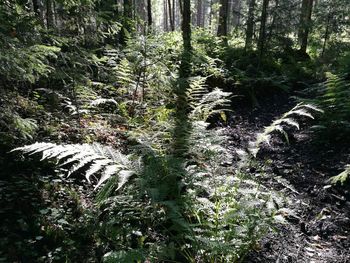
[(273, 23), (186, 25), (181, 7), (326, 35), (305, 24), (236, 13), (50, 20), (165, 18), (250, 25), (210, 13), (174, 13), (199, 13), (262, 33), (149, 13), (171, 18), (223, 13)]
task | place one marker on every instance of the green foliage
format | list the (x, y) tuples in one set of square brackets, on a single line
[(96, 159), (301, 110), (204, 103), (333, 97), (26, 64), (342, 177)]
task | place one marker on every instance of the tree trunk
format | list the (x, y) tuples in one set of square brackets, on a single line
[(250, 25), (326, 35), (236, 13), (186, 25), (171, 18), (149, 13), (50, 19), (262, 33), (174, 13), (273, 23), (200, 13), (305, 23), (165, 17), (222, 28)]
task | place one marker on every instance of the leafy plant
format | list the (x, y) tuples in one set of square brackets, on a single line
[(342, 177), (96, 159), (301, 110), (333, 97)]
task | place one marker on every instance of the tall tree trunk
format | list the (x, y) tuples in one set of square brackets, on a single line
[(223, 13), (250, 25), (305, 24), (273, 23), (50, 19), (236, 13), (149, 13), (326, 35), (174, 13), (186, 25), (171, 18), (165, 18), (210, 13), (199, 13), (262, 33)]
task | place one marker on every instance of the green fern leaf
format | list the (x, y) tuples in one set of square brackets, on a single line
[(99, 160)]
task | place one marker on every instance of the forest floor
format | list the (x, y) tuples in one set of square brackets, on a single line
[(318, 230), (40, 216)]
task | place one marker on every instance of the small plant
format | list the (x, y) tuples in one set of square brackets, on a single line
[(95, 158), (301, 110), (333, 97), (342, 177)]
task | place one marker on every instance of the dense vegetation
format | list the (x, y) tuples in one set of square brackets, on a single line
[(136, 109)]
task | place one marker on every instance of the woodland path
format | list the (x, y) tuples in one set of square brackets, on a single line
[(319, 230)]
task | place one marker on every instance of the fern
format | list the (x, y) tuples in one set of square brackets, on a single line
[(342, 177), (101, 101), (94, 159), (333, 96), (204, 103), (287, 119)]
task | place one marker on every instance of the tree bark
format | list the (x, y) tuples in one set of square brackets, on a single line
[(186, 25), (50, 19), (149, 13), (200, 13), (326, 35), (171, 18), (305, 24), (250, 25), (262, 33), (165, 18), (223, 13)]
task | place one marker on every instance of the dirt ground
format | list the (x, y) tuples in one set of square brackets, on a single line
[(319, 230)]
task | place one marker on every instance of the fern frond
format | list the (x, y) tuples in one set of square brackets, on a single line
[(96, 159), (98, 102), (211, 103), (279, 125)]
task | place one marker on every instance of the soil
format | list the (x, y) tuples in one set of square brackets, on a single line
[(319, 230)]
